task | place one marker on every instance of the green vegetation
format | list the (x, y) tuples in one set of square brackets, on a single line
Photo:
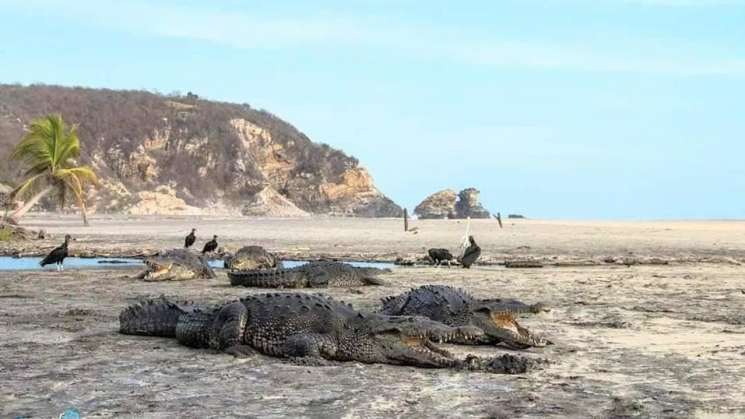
[(6, 234), (49, 150)]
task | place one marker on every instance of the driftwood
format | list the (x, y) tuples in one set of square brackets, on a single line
[(522, 264)]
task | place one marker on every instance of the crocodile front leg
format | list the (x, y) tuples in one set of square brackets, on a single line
[(309, 349), (228, 328), (503, 364)]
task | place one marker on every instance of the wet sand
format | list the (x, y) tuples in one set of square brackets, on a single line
[(630, 341)]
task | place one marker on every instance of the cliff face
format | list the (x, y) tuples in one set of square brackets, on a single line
[(185, 155)]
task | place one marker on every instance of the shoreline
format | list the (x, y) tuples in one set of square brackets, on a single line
[(548, 242)]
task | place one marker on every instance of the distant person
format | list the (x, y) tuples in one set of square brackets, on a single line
[(471, 254), (499, 219), (190, 239), (210, 246)]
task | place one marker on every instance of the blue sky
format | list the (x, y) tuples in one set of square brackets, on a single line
[(552, 108)]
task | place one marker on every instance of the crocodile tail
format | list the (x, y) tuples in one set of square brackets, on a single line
[(373, 280), (262, 278), (152, 317)]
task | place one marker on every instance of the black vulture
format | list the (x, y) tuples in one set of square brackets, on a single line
[(58, 255), (440, 255), (190, 239), (210, 246), (471, 254)]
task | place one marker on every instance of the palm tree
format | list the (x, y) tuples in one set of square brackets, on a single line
[(49, 148)]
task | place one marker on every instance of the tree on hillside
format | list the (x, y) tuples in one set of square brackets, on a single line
[(49, 149)]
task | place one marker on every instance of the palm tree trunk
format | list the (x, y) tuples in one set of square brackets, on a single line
[(20, 212), (85, 216)]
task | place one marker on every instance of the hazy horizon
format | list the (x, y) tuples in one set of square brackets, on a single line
[(613, 109)]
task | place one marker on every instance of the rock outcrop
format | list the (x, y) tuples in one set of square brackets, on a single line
[(468, 204), (438, 205), (449, 204), (162, 200), (160, 154), (268, 202)]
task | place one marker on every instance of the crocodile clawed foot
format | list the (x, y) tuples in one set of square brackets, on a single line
[(504, 364), (240, 351)]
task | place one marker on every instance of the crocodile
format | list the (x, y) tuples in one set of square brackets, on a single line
[(455, 307), (252, 258), (320, 274), (309, 330), (176, 265)]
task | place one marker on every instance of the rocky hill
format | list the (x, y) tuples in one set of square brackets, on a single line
[(180, 154)]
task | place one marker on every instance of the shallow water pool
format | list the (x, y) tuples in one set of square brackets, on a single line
[(9, 263)]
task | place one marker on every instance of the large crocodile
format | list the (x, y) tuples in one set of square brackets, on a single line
[(176, 265), (455, 307), (311, 275), (310, 329), (251, 258)]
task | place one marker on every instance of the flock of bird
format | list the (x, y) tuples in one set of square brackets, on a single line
[(209, 247), (58, 254), (470, 255)]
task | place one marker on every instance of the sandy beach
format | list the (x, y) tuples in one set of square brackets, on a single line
[(661, 337)]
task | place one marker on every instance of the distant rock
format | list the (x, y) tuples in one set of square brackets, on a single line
[(468, 204), (449, 204), (439, 205), (515, 216)]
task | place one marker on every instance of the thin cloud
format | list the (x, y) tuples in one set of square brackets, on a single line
[(249, 31)]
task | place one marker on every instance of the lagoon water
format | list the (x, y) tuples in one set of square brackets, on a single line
[(9, 263)]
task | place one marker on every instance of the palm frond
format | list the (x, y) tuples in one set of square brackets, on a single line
[(29, 185), (40, 168), (75, 186), (62, 195), (68, 149), (57, 128), (34, 147), (84, 174)]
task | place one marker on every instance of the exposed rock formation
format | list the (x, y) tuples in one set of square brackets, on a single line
[(438, 205), (162, 200), (268, 202), (448, 204), (209, 156), (468, 205)]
